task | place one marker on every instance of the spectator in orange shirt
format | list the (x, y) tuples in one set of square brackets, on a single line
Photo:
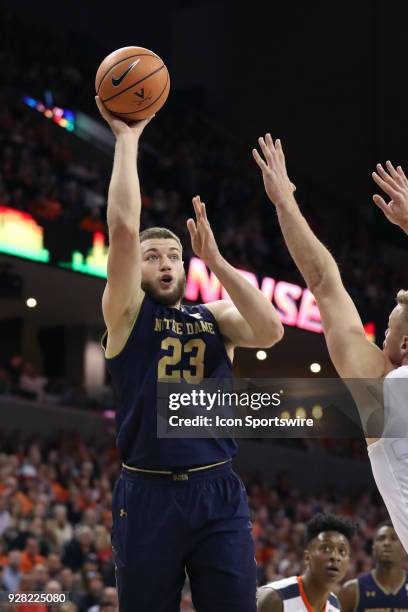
[(31, 555), (92, 221), (27, 586), (46, 208)]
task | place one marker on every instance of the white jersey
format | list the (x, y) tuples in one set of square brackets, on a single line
[(389, 455), (293, 595)]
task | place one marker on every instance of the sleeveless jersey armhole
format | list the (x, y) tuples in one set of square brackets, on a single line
[(230, 357), (104, 338)]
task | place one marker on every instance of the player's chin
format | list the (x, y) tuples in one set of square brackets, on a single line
[(333, 576), (169, 296)]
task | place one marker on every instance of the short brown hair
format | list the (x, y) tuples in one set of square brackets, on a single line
[(402, 297), (402, 300), (158, 232)]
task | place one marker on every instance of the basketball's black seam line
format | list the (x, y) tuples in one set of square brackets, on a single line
[(151, 103), (119, 93), (124, 60)]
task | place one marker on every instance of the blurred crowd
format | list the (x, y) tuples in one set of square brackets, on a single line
[(184, 152), (20, 378), (55, 520), (55, 495), (66, 191)]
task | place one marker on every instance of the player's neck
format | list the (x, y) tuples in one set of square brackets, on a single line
[(316, 594), (389, 576)]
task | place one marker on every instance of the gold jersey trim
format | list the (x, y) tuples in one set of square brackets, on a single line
[(170, 472)]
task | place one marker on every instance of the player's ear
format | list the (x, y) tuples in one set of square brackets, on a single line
[(404, 346), (306, 556)]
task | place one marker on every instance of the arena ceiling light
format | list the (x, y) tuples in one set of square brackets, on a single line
[(300, 412), (261, 355), (31, 302), (315, 368), (317, 412)]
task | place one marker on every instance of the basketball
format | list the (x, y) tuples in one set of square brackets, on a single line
[(133, 83)]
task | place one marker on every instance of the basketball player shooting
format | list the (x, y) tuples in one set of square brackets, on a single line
[(177, 506), (327, 557), (352, 354)]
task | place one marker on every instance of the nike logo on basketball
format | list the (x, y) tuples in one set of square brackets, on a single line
[(116, 82)]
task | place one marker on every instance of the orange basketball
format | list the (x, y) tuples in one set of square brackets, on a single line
[(133, 83)]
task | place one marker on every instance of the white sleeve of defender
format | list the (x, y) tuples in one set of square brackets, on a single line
[(389, 463)]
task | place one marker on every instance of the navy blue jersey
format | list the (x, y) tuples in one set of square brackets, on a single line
[(169, 344), (374, 599)]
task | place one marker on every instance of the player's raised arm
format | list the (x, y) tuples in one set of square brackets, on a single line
[(395, 184), (123, 293), (250, 320), (353, 355)]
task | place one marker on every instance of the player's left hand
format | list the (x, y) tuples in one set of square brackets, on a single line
[(395, 184), (201, 234), (278, 186)]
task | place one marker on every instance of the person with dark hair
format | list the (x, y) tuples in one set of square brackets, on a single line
[(386, 586), (178, 506), (326, 556)]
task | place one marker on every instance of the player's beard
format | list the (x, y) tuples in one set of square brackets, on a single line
[(166, 299)]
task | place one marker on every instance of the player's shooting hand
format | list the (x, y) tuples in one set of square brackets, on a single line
[(395, 184), (275, 177), (202, 237), (118, 126)]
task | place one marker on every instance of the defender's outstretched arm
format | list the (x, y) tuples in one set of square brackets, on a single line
[(353, 355), (395, 184)]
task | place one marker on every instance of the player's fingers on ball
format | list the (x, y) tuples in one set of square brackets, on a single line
[(144, 122), (101, 106), (259, 160)]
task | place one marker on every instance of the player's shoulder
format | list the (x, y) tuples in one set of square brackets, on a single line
[(350, 587), (284, 583), (268, 599), (401, 372), (286, 588), (218, 307), (205, 312)]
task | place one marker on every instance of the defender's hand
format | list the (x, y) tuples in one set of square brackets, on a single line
[(118, 126), (395, 184), (202, 237), (277, 184)]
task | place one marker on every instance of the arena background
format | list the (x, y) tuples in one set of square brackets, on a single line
[(328, 79)]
